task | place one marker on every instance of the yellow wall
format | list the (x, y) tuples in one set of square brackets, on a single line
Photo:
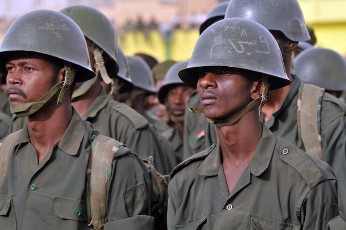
[(328, 19), (180, 48)]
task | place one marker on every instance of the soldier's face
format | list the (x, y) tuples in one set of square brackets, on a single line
[(29, 78), (223, 92), (177, 98)]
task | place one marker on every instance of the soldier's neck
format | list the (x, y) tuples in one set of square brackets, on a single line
[(274, 101), (82, 103), (46, 128)]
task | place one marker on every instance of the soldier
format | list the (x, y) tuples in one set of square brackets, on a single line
[(324, 68), (249, 179), (111, 118), (159, 71), (300, 113), (195, 124), (44, 166), (174, 95), (144, 87)]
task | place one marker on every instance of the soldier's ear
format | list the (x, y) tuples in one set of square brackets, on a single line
[(291, 46), (256, 89), (61, 75)]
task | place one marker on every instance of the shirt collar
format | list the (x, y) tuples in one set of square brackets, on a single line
[(258, 164), (73, 136), (69, 142)]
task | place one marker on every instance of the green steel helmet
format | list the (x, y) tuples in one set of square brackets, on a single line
[(281, 15), (50, 33), (124, 72), (140, 74), (95, 26), (216, 14), (171, 78), (322, 67), (160, 69), (237, 43)]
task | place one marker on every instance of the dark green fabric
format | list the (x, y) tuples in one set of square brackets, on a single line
[(4, 105), (51, 195), (119, 121), (5, 123), (173, 136), (282, 188)]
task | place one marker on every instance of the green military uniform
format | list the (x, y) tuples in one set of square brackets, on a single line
[(173, 136), (4, 105), (5, 123), (281, 188), (52, 194), (124, 124), (340, 221), (284, 124)]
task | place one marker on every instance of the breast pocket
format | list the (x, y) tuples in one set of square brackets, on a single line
[(7, 217), (263, 223), (69, 214)]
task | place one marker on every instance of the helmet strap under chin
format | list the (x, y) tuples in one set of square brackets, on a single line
[(258, 102)]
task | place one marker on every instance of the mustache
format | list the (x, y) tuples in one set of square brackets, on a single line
[(15, 90)]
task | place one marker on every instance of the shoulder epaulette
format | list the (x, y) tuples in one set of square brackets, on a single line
[(196, 157), (137, 120), (330, 98), (313, 171)]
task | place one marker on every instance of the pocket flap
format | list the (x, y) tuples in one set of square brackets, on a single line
[(5, 204), (70, 209)]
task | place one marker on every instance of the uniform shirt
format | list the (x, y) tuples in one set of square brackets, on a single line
[(281, 188), (284, 124), (4, 104), (5, 123), (52, 194), (173, 136), (119, 121)]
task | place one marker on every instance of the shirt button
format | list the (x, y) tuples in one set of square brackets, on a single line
[(285, 151), (33, 187), (229, 207), (78, 212)]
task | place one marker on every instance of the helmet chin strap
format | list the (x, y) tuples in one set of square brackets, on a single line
[(101, 69), (27, 109), (100, 65), (258, 102)]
